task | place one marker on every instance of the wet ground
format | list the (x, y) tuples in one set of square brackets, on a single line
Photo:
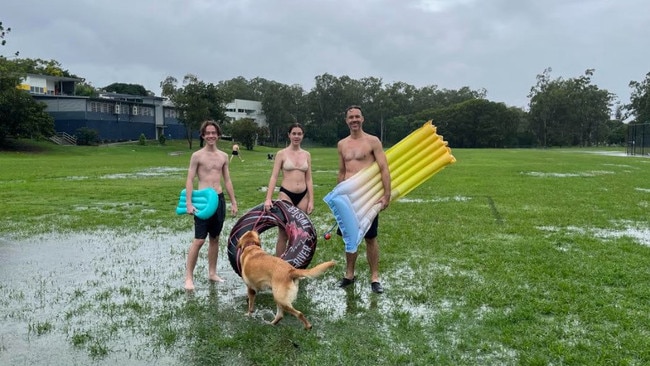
[(89, 298), (62, 294)]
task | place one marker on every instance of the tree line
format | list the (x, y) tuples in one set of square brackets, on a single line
[(561, 112)]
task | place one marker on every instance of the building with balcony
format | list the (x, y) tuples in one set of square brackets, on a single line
[(242, 108), (119, 117)]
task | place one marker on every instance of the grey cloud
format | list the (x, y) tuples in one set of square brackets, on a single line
[(499, 45)]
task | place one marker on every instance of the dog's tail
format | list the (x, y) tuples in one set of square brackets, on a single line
[(312, 272)]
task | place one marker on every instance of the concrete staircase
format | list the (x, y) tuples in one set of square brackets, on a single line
[(62, 138)]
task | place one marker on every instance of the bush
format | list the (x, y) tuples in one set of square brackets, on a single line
[(142, 140), (87, 136), (162, 139)]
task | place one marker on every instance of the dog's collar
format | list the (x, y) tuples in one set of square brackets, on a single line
[(248, 245)]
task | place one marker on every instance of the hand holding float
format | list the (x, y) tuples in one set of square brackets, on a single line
[(204, 200)]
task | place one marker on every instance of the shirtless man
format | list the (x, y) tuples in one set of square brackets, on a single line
[(297, 186), (210, 165), (356, 152)]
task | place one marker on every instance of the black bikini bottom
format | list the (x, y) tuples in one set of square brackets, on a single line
[(295, 197)]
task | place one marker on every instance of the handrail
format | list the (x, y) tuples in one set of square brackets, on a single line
[(72, 140)]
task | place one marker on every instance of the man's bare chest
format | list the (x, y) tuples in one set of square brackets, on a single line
[(358, 152)]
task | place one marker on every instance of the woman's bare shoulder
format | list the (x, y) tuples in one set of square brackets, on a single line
[(281, 153)]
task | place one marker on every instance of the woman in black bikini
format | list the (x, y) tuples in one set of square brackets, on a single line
[(297, 185)]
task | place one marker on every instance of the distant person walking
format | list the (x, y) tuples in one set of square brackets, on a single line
[(235, 152)]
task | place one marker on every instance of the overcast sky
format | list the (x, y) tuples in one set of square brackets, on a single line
[(498, 45)]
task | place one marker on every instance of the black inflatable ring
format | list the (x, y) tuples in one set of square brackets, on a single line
[(301, 245)]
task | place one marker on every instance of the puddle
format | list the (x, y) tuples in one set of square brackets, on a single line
[(639, 232), (434, 200), (325, 171), (59, 289), (592, 173), (151, 172), (266, 189), (74, 178), (276, 190), (91, 298), (608, 153)]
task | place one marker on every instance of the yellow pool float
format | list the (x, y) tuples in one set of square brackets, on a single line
[(411, 162)]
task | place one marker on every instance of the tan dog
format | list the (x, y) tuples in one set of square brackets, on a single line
[(261, 270)]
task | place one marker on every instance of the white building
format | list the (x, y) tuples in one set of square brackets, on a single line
[(48, 85), (241, 108)]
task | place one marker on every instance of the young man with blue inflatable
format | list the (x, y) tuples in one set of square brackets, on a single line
[(210, 166), (356, 152)]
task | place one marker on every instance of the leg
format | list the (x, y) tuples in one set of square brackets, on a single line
[(213, 255), (281, 245), (291, 310), (192, 257), (350, 262), (251, 301), (279, 314), (372, 254), (284, 299)]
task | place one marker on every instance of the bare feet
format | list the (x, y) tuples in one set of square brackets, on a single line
[(215, 278), (189, 284)]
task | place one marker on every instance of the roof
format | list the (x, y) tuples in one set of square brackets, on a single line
[(55, 78)]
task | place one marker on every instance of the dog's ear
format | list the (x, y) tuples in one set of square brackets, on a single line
[(243, 239), (249, 237)]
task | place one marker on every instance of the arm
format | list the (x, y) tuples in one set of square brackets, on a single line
[(310, 186), (277, 165), (380, 158), (229, 188), (341, 176), (189, 183)]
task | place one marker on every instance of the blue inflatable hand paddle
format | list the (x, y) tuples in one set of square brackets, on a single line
[(204, 200)]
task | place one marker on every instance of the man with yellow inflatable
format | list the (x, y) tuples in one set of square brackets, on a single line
[(364, 189), (357, 152)]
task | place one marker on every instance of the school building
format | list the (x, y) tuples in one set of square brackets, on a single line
[(119, 117)]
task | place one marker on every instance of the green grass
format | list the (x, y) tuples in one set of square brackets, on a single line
[(513, 257)]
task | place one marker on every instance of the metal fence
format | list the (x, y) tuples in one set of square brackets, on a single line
[(638, 139)]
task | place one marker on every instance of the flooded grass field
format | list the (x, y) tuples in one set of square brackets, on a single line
[(108, 298), (509, 257), (72, 298)]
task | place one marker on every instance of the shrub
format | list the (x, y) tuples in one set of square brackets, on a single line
[(87, 136)]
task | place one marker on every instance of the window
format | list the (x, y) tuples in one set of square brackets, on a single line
[(171, 113)]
